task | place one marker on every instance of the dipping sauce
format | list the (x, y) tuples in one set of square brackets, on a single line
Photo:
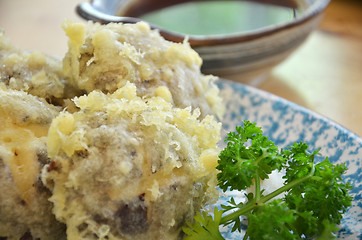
[(219, 17)]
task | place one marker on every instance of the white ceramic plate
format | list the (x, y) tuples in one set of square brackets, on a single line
[(285, 123)]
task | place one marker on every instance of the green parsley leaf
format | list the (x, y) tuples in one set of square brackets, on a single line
[(315, 195)]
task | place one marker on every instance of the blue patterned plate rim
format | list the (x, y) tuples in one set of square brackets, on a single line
[(285, 122)]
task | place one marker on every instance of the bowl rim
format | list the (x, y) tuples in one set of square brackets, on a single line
[(88, 11)]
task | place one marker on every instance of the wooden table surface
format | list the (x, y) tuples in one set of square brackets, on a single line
[(324, 74)]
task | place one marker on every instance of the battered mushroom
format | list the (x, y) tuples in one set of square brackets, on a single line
[(105, 57), (24, 207), (134, 158), (124, 167), (33, 72)]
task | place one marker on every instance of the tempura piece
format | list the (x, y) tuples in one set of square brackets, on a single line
[(24, 207), (124, 167), (105, 57), (32, 72)]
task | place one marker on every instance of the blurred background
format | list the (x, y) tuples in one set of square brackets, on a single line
[(324, 74)]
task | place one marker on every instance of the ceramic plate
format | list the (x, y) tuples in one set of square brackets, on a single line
[(285, 123)]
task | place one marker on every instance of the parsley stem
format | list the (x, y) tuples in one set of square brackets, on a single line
[(246, 235), (257, 187), (253, 204), (246, 208), (287, 187)]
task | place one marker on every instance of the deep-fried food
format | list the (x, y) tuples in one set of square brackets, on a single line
[(134, 158), (32, 72), (105, 57), (124, 167), (24, 205)]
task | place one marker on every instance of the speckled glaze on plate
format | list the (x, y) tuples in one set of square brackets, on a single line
[(285, 122)]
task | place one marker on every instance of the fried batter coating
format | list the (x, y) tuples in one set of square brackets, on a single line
[(24, 206), (134, 158), (32, 72), (105, 57), (125, 167)]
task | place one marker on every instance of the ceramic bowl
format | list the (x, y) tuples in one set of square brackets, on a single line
[(250, 54)]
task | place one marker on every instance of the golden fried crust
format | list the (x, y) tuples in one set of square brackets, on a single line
[(134, 158), (124, 167), (105, 57), (32, 72), (24, 205)]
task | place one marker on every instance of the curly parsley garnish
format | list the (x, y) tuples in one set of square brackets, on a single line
[(314, 201)]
